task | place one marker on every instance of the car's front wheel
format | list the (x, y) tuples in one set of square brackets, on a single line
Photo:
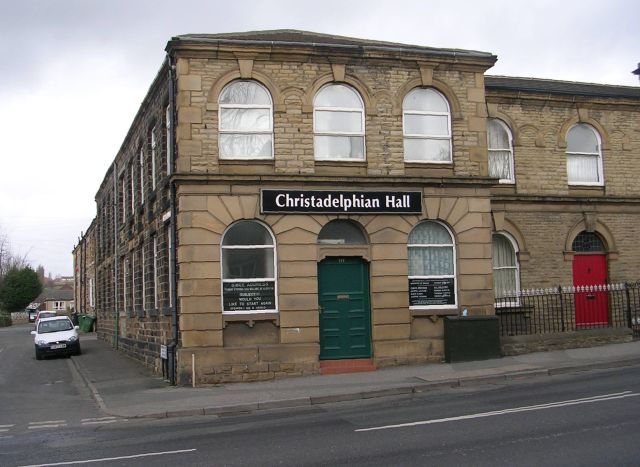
[(38, 355)]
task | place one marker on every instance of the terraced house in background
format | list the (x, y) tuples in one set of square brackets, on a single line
[(285, 200)]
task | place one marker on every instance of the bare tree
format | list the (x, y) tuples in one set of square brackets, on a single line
[(8, 259)]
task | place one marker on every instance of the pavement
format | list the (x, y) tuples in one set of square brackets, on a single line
[(123, 387)]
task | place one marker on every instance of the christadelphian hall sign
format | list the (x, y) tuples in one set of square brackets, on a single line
[(341, 202)]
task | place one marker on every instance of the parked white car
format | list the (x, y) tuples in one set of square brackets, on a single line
[(55, 336)]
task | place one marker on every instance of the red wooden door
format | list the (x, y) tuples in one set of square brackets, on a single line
[(592, 305)]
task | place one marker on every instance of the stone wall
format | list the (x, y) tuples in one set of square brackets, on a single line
[(541, 211), (293, 82), (132, 236), (567, 340), (232, 348)]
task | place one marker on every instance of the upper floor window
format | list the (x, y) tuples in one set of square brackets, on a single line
[(154, 147), (584, 156), (500, 151), (167, 128), (132, 195), (123, 195), (142, 169), (248, 258), (245, 121), (338, 123), (426, 125)]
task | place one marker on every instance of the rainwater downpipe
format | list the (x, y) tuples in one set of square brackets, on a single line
[(173, 296), (116, 312)]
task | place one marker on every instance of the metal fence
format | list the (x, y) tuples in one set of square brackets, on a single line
[(560, 309)]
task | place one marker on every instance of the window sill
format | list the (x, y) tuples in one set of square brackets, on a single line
[(250, 318), (420, 163), (417, 312)]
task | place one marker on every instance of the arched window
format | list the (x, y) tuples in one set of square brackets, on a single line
[(341, 232), (500, 151), (248, 258), (506, 271), (245, 121), (584, 156), (432, 274), (588, 242), (426, 126), (338, 123)]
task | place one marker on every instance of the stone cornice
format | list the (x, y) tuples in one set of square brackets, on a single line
[(334, 180)]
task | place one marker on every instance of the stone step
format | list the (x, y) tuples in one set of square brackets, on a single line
[(352, 365)]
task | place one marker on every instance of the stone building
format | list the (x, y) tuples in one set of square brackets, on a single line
[(84, 276), (285, 201)]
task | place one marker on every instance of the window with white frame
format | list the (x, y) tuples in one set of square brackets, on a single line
[(154, 144), (124, 197), (506, 270), (500, 149), (91, 291), (133, 188), (167, 123), (143, 276), (125, 286), (248, 259), (584, 156), (338, 124), (426, 126), (155, 273), (245, 121), (432, 270), (142, 169), (169, 266), (133, 281), (58, 306)]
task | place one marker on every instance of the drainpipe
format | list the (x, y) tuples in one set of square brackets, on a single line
[(116, 330), (83, 277), (172, 360)]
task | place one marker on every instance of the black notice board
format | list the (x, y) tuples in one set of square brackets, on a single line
[(425, 292), (249, 296)]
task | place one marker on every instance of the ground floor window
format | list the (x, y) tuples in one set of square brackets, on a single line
[(432, 276), (506, 274), (248, 259)]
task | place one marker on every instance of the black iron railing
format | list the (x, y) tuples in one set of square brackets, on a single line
[(561, 309)]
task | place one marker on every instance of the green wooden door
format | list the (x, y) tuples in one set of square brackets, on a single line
[(345, 315)]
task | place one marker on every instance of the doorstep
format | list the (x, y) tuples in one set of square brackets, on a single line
[(352, 365)]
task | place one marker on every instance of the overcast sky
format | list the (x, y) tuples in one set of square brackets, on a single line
[(73, 73)]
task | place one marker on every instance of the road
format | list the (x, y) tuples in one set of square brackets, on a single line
[(589, 418), (38, 394)]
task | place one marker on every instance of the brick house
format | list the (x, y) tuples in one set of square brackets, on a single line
[(286, 199)]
